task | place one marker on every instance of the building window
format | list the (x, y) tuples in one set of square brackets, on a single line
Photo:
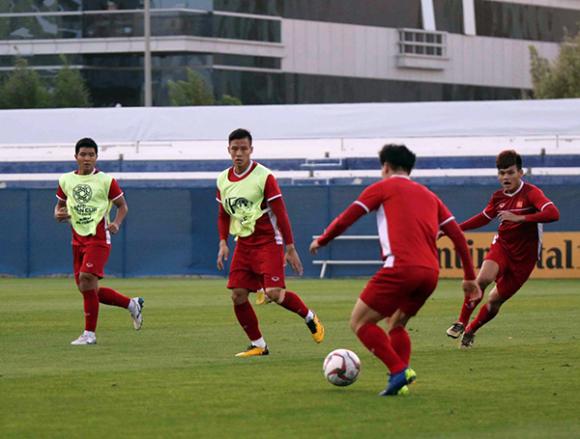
[(424, 43), (527, 22)]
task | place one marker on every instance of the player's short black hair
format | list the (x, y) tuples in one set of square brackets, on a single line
[(240, 133), (508, 158), (398, 156), (86, 142)]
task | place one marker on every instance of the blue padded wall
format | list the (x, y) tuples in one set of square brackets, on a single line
[(172, 231)]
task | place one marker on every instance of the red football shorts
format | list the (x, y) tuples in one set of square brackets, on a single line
[(512, 274), (404, 288), (255, 267), (90, 259)]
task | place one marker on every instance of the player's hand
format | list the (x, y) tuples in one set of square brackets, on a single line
[(314, 246), (61, 214), (294, 260), (471, 291), (223, 254), (113, 228), (506, 215)]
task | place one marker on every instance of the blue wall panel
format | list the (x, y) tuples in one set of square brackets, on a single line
[(172, 231), (14, 232)]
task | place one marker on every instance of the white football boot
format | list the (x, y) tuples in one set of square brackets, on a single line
[(85, 338), (136, 311)]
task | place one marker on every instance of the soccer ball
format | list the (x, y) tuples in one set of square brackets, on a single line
[(341, 367)]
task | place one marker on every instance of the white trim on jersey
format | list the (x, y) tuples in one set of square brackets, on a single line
[(274, 197), (382, 227), (357, 202), (451, 218), (107, 233), (517, 190), (547, 204), (274, 222), (218, 200), (486, 215), (118, 196), (540, 236), (245, 172), (61, 199)]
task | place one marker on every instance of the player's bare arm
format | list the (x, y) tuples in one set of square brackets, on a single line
[(122, 210), (60, 212), (223, 254), (293, 259)]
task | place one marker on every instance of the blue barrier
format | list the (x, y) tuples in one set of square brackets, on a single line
[(172, 231), (352, 163)]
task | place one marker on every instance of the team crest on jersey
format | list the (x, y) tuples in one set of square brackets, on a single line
[(241, 207), (82, 193), (238, 205), (519, 204), (501, 205)]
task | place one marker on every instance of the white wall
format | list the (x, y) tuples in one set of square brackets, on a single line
[(370, 52)]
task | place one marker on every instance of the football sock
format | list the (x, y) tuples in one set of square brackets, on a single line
[(466, 311), (248, 320), (484, 316), (261, 343), (309, 316), (108, 296), (401, 343), (91, 306), (377, 341), (294, 303)]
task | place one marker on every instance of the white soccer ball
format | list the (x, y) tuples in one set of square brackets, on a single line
[(341, 367)]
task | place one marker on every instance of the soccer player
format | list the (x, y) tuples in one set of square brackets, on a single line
[(84, 199), (252, 209), (408, 219), (520, 207)]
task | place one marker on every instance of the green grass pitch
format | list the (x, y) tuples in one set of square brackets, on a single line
[(178, 377)]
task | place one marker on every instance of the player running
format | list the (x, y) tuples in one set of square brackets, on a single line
[(520, 207), (85, 197), (408, 219), (252, 209)]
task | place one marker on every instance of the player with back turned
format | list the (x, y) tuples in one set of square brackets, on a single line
[(408, 220), (251, 208), (520, 207)]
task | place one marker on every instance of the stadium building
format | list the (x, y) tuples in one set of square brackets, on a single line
[(293, 52)]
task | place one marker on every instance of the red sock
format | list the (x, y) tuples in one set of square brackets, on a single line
[(108, 296), (401, 343), (484, 316), (91, 305), (466, 311), (248, 320), (294, 303), (377, 341)]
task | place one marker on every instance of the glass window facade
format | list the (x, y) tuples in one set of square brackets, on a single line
[(263, 62), (527, 22), (130, 24), (16, 6), (288, 88), (449, 15)]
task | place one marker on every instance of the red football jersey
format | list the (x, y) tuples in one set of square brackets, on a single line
[(408, 218), (102, 235), (522, 241)]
